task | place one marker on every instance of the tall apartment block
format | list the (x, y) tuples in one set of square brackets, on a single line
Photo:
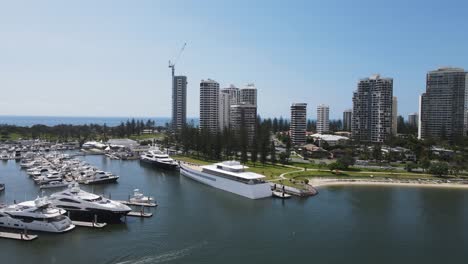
[(372, 109), (179, 102), (413, 119), (244, 116), (394, 115), (323, 120), (229, 96), (224, 108), (347, 116), (234, 94), (298, 123), (248, 94), (443, 107), (209, 105)]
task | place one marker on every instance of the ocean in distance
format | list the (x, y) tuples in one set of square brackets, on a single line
[(72, 120)]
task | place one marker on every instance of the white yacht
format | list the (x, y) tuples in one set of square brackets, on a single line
[(54, 184), (159, 159), (229, 176), (81, 204), (139, 197), (36, 215), (100, 177)]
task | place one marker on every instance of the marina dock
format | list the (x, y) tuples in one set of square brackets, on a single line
[(140, 214), (17, 236), (89, 224), (138, 204)]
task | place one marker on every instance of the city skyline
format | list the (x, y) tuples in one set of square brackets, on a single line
[(119, 58)]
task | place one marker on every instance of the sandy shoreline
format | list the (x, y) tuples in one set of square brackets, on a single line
[(324, 182)]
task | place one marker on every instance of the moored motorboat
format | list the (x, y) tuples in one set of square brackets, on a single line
[(100, 177), (139, 197), (281, 195), (38, 215), (54, 184), (84, 205), (159, 159)]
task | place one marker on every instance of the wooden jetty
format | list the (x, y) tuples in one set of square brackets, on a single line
[(18, 236), (140, 214), (138, 204), (89, 224)]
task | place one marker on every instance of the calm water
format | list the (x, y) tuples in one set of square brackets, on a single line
[(57, 120), (198, 224)]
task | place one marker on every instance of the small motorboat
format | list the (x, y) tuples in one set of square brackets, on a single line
[(54, 184), (281, 195), (2, 187), (140, 198)]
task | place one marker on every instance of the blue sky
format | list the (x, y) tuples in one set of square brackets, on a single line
[(109, 58)]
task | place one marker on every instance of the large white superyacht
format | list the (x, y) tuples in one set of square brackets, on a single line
[(229, 176), (38, 215)]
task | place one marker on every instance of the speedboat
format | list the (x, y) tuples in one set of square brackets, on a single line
[(2, 187), (85, 205), (54, 184), (281, 195), (50, 177), (159, 159), (100, 177), (4, 155), (139, 197), (38, 215)]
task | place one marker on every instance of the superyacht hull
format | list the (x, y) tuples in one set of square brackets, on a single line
[(90, 215), (252, 191), (162, 165)]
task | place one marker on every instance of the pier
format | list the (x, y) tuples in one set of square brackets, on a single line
[(140, 214), (89, 224), (138, 204), (18, 236)]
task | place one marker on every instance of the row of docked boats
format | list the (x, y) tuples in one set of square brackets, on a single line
[(25, 148), (55, 170), (54, 213)]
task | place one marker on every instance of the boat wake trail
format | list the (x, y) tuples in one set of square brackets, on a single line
[(165, 257)]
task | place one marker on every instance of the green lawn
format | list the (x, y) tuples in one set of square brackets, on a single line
[(271, 171), (359, 174), (194, 160)]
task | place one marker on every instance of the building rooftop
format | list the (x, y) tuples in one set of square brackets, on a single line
[(448, 69), (327, 137)]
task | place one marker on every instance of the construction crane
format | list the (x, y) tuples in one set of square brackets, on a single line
[(172, 65)]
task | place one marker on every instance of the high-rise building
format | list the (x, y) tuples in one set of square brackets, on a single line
[(234, 94), (248, 94), (347, 116), (179, 102), (372, 109), (298, 123), (323, 121), (224, 108), (413, 119), (443, 109), (228, 97), (244, 116), (209, 105), (394, 115)]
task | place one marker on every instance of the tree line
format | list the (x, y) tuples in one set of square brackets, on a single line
[(67, 132)]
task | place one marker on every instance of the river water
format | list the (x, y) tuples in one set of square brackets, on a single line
[(198, 224)]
